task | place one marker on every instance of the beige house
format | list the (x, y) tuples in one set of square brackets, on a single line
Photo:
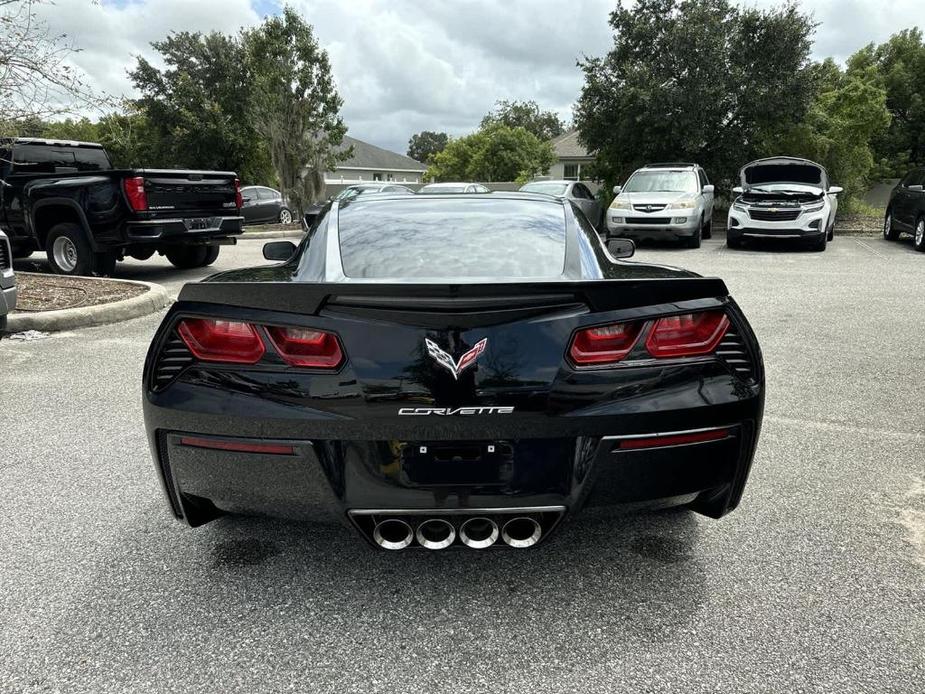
[(370, 163), (571, 158)]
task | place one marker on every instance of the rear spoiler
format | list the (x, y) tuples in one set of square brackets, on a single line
[(308, 298)]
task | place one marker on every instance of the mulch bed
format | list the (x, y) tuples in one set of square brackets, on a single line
[(39, 292)]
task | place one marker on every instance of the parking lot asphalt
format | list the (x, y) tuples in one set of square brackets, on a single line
[(815, 584)]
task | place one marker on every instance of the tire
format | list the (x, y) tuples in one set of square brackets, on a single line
[(708, 229), (187, 257), (919, 239), (285, 216), (694, 241), (3, 323), (831, 236), (105, 264), (889, 231), (211, 255), (69, 252), (820, 243)]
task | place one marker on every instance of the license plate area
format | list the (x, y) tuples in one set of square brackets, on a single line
[(436, 464), (201, 223)]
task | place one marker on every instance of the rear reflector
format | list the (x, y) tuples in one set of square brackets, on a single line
[(237, 446), (604, 345), (687, 335), (232, 342), (135, 193), (305, 347), (673, 439)]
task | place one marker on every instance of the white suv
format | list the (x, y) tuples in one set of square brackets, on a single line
[(663, 202)]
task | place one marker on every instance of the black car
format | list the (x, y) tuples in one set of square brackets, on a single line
[(349, 193), (264, 205), (454, 369), (906, 211)]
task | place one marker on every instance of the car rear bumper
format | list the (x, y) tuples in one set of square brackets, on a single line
[(183, 229)]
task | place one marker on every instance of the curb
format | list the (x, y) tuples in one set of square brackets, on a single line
[(151, 301), (261, 235)]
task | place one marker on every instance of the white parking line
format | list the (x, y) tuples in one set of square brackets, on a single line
[(871, 249)]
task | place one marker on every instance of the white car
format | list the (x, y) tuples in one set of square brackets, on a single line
[(663, 202), (7, 280), (783, 198)]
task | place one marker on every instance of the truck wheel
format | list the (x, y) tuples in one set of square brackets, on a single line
[(105, 264), (188, 257), (68, 251)]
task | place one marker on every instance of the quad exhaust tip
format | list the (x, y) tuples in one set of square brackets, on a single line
[(435, 533), (393, 533), (478, 533), (521, 532)]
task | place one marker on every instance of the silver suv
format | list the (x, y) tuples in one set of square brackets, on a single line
[(663, 202), (7, 281)]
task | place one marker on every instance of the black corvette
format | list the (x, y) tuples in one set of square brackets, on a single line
[(452, 370)]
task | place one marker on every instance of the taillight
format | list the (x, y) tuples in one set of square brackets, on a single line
[(687, 335), (222, 340), (238, 200), (305, 347), (135, 193), (604, 345)]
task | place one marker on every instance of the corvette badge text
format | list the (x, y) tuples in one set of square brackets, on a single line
[(452, 411)]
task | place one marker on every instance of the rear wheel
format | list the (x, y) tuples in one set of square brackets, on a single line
[(187, 257), (69, 252), (285, 216), (919, 240), (889, 231)]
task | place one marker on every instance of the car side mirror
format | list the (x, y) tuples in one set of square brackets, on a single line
[(835, 190), (709, 189), (279, 250), (738, 190), (617, 189), (621, 248), (917, 188)]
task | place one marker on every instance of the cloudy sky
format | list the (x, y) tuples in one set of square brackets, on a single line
[(404, 66)]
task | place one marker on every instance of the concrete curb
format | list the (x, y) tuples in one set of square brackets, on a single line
[(151, 301), (268, 235)]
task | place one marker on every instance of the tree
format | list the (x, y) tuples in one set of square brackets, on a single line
[(295, 106), (37, 79), (424, 145), (527, 115), (494, 153), (695, 80), (197, 107)]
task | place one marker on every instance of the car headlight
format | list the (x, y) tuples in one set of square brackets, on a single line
[(740, 206), (618, 204), (814, 208), (682, 205)]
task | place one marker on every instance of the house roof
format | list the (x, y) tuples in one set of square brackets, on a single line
[(566, 146), (367, 156)]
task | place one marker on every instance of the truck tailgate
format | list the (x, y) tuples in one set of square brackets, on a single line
[(193, 192)]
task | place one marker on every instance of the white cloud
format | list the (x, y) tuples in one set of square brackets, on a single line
[(406, 66)]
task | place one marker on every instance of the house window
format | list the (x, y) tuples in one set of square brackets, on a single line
[(572, 172), (377, 176), (389, 177)]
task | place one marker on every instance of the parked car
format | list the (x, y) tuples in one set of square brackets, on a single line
[(264, 205), (65, 198), (906, 210), (436, 188), (575, 192), (7, 281), (783, 198), (349, 193), (452, 370), (672, 201)]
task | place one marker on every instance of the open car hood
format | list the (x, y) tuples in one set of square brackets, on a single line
[(803, 173)]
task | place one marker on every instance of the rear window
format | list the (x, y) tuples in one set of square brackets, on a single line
[(57, 159), (547, 188), (452, 238)]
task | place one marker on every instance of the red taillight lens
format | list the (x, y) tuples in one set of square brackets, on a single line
[(305, 347), (604, 345), (237, 446), (687, 335), (221, 340), (135, 193), (238, 200), (664, 440)]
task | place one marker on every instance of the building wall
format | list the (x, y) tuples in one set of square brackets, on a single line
[(558, 170), (348, 176)]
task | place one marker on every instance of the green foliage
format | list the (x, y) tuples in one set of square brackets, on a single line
[(424, 145), (197, 107), (494, 153), (294, 105), (694, 80), (545, 125)]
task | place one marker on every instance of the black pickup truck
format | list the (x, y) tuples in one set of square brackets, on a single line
[(66, 198)]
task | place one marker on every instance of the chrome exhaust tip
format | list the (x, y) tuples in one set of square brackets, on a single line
[(521, 532), (393, 533), (478, 533), (435, 533)]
